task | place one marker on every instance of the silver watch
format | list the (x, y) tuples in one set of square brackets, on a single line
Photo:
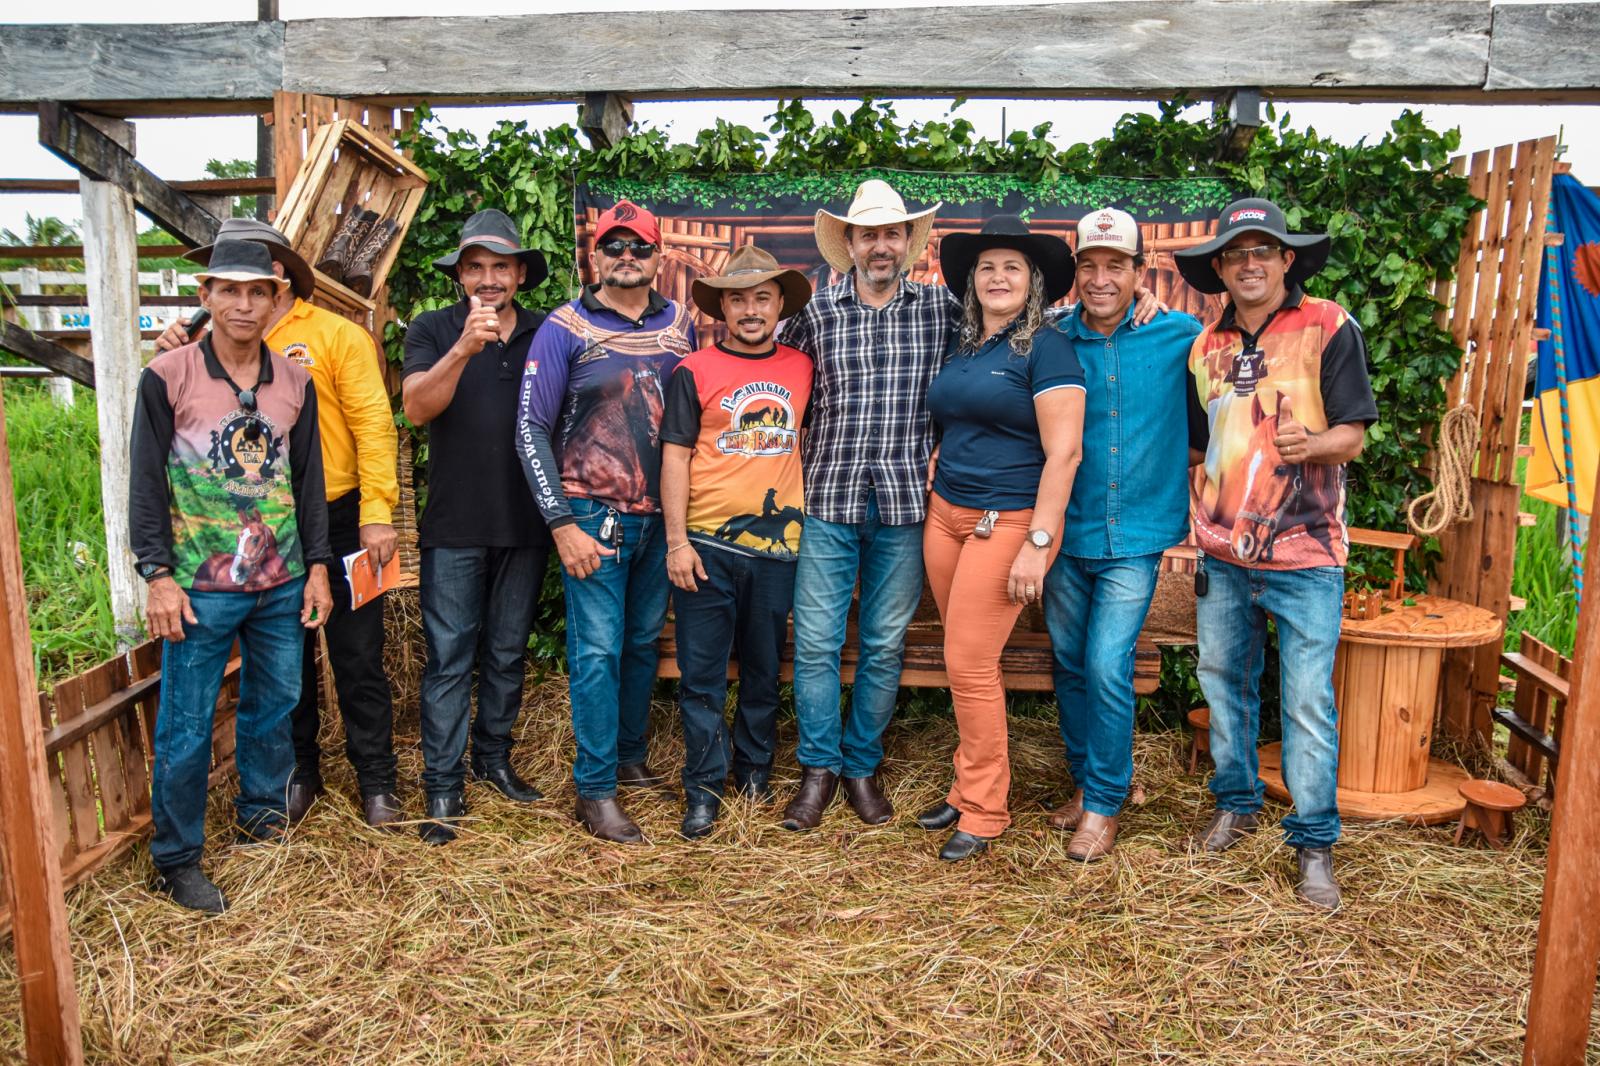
[(1039, 538)]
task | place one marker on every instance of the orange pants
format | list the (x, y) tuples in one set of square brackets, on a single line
[(968, 575)]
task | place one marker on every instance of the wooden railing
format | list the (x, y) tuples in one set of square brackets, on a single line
[(1533, 750)]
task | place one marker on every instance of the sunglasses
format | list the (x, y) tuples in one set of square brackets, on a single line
[(1260, 253), (252, 428), (615, 248)]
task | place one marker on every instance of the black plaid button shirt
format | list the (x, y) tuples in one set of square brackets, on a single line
[(868, 427)]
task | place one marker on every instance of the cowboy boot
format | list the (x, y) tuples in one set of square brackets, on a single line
[(358, 274), (1067, 816), (345, 240)]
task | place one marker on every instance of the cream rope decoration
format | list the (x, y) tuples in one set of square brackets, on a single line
[(1451, 498)]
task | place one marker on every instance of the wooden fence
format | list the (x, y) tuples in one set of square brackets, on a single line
[(1489, 310), (99, 732)]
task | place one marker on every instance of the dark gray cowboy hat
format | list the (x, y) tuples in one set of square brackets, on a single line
[(1253, 215), (495, 231), (1052, 255), (747, 268), (300, 277), (240, 261)]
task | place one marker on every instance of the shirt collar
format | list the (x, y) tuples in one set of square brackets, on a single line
[(1294, 297), (591, 303), (214, 367)]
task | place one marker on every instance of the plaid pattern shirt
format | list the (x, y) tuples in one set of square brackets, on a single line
[(868, 429)]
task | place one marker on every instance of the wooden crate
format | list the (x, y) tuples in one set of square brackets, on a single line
[(349, 168)]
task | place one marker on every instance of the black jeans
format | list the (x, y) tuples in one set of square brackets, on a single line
[(355, 649), (478, 606), (743, 605)]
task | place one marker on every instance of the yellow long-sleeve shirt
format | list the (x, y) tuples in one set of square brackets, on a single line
[(359, 440)]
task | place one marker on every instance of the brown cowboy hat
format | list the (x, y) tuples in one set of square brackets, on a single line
[(277, 245), (747, 268)]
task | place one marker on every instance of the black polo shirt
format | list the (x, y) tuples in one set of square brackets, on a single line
[(477, 497)]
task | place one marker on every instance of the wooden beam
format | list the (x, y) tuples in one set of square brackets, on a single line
[(1568, 954), (33, 871), (1544, 46), (40, 352), (111, 263), (67, 133), (75, 251), (213, 186), (1137, 45), (216, 61)]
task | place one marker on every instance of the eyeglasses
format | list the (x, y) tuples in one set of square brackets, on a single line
[(640, 249), (1260, 253)]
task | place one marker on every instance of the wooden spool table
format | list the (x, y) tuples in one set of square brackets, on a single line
[(1386, 686)]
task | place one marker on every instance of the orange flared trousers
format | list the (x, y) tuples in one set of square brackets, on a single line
[(968, 577)]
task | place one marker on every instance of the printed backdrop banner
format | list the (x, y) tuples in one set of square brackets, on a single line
[(704, 219)]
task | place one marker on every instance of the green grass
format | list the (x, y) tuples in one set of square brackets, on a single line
[(1543, 577), (55, 466)]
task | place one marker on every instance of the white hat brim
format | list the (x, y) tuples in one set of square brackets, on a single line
[(835, 248)]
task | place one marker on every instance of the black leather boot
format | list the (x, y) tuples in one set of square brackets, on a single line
[(189, 887), (504, 778), (963, 846), (1317, 885), (444, 810)]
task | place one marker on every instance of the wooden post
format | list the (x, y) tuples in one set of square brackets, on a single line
[(33, 870), (37, 318), (1569, 936), (605, 118), (111, 260)]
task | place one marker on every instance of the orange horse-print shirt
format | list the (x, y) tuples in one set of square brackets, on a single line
[(1253, 509)]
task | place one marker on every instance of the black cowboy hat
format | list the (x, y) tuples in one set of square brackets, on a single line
[(277, 245), (1253, 215), (495, 231), (1052, 255)]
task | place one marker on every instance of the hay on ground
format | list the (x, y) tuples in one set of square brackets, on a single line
[(528, 941)]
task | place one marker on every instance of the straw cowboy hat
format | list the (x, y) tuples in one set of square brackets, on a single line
[(959, 251), (1253, 215), (277, 245), (240, 261), (495, 231), (747, 268), (875, 204)]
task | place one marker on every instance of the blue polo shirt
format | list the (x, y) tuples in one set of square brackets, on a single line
[(990, 455), (1131, 496)]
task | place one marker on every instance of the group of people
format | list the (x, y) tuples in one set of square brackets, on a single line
[(835, 451)]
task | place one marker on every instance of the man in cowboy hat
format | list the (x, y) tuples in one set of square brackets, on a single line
[(588, 431), (1129, 504), (358, 457), (877, 339), (229, 526), (732, 499), (1282, 377), (484, 546)]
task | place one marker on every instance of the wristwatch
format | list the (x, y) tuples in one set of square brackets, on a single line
[(151, 571), (1039, 538)]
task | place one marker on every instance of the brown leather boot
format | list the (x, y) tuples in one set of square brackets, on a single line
[(1095, 838), (381, 810), (867, 799), (362, 263), (346, 240), (639, 775), (817, 787), (606, 819), (1223, 831), (1068, 815)]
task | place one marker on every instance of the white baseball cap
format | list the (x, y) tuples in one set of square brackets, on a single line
[(1109, 228)]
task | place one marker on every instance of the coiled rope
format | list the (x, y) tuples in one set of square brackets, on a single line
[(1451, 498)]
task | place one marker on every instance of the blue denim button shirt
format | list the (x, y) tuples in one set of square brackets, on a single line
[(1131, 495)]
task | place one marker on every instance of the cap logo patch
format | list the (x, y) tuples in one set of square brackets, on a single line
[(624, 213), (1104, 222), (1247, 214)]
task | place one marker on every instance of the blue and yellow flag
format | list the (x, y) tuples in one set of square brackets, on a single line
[(1566, 428)]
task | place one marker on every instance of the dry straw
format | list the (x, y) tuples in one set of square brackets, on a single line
[(527, 941)]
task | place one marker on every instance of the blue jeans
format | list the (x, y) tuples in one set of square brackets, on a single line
[(1095, 609), (889, 560), (1231, 621), (614, 618), (743, 605), (271, 639), (477, 611)]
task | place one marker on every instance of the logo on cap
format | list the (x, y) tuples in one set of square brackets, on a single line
[(1247, 214), (624, 212), (1105, 221)]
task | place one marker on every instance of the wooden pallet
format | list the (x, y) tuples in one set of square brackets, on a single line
[(348, 168), (1026, 662)]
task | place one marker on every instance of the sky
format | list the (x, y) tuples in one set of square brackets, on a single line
[(178, 149)]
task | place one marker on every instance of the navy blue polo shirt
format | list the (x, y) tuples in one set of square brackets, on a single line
[(990, 455)]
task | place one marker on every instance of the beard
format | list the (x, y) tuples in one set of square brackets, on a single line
[(760, 330), (631, 281)]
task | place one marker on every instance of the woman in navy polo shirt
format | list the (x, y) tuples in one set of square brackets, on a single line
[(1009, 404)]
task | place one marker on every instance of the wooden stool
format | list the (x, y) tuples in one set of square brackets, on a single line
[(1490, 806), (1200, 741)]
